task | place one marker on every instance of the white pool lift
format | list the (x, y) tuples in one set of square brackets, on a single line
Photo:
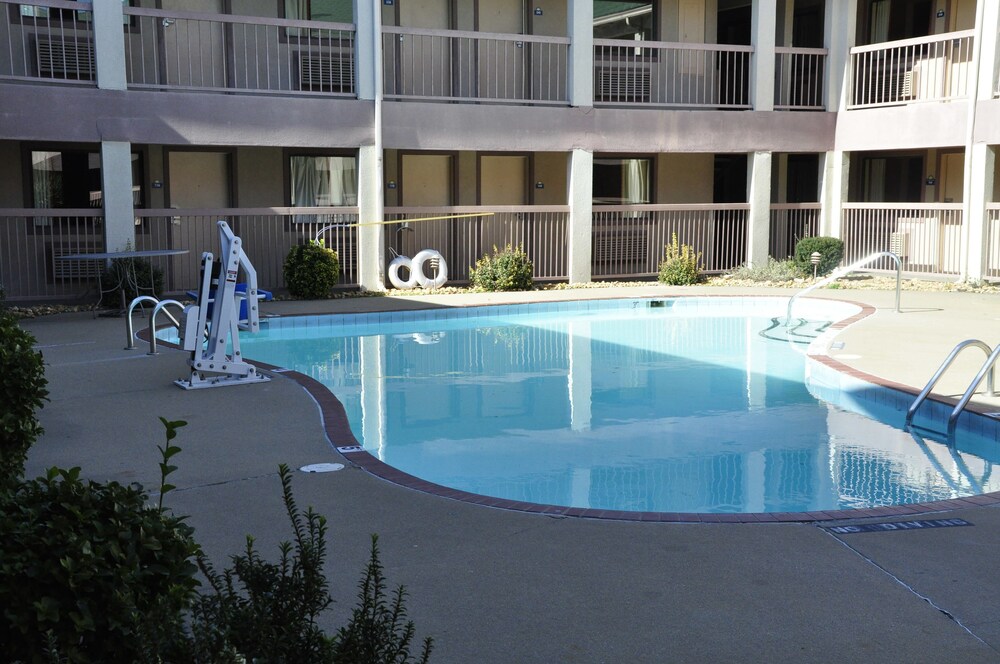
[(210, 328)]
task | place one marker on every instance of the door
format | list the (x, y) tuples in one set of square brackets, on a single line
[(196, 180), (191, 52), (502, 65), (422, 62), (503, 180), (427, 180)]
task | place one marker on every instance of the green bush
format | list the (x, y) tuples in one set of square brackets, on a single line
[(90, 572), (311, 270), (22, 392), (831, 252), (681, 265), (508, 269), (772, 271), (120, 274)]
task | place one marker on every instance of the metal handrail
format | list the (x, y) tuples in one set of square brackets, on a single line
[(845, 271), (152, 322), (944, 367), (988, 367), (129, 334)]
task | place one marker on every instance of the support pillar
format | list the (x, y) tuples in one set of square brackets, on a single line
[(981, 169), (109, 45), (763, 26), (581, 209), (833, 194), (371, 236), (116, 189), (580, 17), (759, 197)]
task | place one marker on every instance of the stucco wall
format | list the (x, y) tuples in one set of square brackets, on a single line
[(260, 177), (912, 126), (684, 178), (11, 188)]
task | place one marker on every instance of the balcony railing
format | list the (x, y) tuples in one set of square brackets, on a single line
[(267, 235), (927, 237), (650, 73), (798, 78), (629, 240), (539, 229), (465, 66), (176, 50), (790, 222), (31, 244), (49, 41), (934, 68), (992, 266)]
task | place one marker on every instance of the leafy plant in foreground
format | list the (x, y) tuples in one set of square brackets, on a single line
[(22, 392), (311, 270), (507, 269), (681, 265)]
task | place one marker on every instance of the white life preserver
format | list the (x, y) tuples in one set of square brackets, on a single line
[(418, 268), (415, 266), (398, 262)]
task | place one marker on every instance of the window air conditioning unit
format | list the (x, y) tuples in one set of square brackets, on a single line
[(326, 72), (624, 82), (899, 244), (64, 58)]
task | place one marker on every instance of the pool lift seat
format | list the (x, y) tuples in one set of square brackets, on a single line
[(217, 312)]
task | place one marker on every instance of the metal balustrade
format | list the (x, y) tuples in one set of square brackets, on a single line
[(992, 251), (178, 50), (463, 66), (651, 73), (267, 234), (927, 237), (629, 240), (540, 229), (934, 68), (49, 41), (798, 78), (790, 222)]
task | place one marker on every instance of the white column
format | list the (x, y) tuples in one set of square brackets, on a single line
[(580, 379), (759, 197), (371, 245), (372, 395), (980, 159), (116, 188), (581, 209), (109, 44), (580, 19), (368, 47), (833, 194), (764, 18), (839, 28)]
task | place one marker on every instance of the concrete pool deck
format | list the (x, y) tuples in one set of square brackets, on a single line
[(494, 585)]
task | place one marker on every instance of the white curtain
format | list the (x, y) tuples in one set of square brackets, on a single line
[(635, 181), (323, 182)]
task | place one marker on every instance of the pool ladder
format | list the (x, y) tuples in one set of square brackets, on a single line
[(158, 306), (987, 371)]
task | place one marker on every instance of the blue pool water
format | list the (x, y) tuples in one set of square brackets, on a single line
[(678, 406)]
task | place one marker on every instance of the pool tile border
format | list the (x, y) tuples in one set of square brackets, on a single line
[(338, 432)]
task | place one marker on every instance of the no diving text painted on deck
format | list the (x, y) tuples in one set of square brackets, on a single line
[(897, 525)]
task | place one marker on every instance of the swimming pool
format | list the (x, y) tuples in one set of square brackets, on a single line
[(670, 405)]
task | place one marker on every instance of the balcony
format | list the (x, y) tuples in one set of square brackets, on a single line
[(927, 237), (672, 75), (48, 42), (454, 65), (935, 68), (790, 222), (798, 79), (175, 50)]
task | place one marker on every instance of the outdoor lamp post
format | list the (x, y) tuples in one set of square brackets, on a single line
[(814, 258)]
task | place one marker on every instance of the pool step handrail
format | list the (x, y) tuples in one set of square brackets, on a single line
[(129, 333), (987, 370), (152, 321), (843, 271)]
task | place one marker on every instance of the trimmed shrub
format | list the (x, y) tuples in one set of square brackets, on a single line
[(22, 392), (831, 253), (681, 265), (121, 272), (91, 572), (311, 270), (507, 269)]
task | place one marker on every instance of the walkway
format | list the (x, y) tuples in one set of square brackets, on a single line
[(499, 586)]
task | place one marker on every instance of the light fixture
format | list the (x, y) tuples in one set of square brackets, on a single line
[(931, 180), (539, 185), (391, 184)]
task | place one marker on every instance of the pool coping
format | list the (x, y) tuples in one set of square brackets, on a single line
[(338, 431)]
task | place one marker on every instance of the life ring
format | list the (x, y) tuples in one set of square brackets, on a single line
[(398, 262), (418, 269), (415, 266)]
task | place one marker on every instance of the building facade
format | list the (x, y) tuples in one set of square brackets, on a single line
[(588, 131)]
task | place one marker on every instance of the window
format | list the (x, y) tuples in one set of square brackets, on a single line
[(46, 13), (322, 181), (622, 181), (614, 19), (72, 179)]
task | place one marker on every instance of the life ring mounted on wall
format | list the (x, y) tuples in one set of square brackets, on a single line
[(415, 269)]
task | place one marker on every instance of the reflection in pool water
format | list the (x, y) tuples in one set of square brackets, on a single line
[(681, 408)]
